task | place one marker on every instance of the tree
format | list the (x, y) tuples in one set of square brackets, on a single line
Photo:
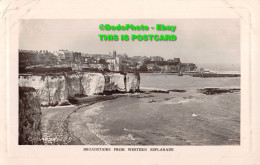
[(147, 61), (143, 68), (102, 61)]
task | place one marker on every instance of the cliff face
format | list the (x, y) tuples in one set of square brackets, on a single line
[(56, 86), (132, 82), (50, 89), (114, 82), (57, 89), (93, 83), (40, 84), (29, 117), (74, 84)]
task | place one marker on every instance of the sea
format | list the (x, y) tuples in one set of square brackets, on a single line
[(175, 118)]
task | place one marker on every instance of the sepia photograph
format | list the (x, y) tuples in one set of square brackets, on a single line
[(173, 82)]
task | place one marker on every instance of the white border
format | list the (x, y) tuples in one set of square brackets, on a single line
[(115, 9)]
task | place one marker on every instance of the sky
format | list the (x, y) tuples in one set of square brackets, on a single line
[(214, 42)]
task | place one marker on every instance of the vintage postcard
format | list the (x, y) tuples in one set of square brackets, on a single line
[(85, 86), (160, 84)]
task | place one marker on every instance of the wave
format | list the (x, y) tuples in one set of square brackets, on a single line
[(96, 130)]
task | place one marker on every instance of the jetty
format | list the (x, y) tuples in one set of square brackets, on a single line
[(214, 75)]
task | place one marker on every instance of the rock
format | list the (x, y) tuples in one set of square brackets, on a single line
[(168, 98), (92, 99), (208, 75), (56, 85), (214, 91), (51, 89), (74, 84), (114, 82), (151, 101), (159, 91), (40, 84), (64, 103), (167, 91), (93, 83), (132, 82), (57, 89), (29, 117), (177, 90), (188, 97)]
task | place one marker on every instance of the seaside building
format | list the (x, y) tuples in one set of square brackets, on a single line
[(111, 61), (174, 61), (156, 58), (188, 67), (30, 57)]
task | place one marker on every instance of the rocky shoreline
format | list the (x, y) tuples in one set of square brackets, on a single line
[(215, 91), (58, 89), (57, 122), (53, 122), (52, 125), (210, 75)]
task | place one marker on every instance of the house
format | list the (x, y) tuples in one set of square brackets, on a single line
[(156, 58)]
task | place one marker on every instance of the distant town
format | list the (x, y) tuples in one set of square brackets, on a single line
[(113, 62)]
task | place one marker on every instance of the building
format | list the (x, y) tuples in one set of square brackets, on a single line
[(156, 58), (188, 67), (30, 57), (94, 66), (77, 58), (150, 67), (174, 61), (173, 68)]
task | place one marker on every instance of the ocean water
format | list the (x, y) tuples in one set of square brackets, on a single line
[(188, 118)]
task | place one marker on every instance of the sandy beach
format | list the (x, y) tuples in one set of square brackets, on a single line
[(56, 121)]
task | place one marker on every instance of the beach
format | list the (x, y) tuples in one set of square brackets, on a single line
[(181, 116)]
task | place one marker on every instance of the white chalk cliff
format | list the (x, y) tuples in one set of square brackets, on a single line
[(57, 89)]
